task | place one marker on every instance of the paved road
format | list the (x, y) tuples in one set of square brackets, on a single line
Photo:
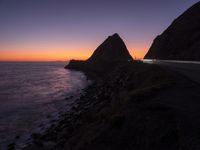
[(186, 68), (184, 97)]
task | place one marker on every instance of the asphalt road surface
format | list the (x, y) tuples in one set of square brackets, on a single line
[(183, 98), (189, 69)]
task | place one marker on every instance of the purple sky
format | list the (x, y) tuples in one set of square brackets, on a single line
[(77, 27)]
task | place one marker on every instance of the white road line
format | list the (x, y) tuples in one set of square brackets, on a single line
[(152, 61)]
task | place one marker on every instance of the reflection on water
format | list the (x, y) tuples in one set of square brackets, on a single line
[(31, 91)]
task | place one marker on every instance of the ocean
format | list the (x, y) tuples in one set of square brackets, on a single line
[(32, 94)]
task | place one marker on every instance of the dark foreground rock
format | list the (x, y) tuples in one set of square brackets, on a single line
[(135, 106), (109, 54), (181, 41), (118, 112)]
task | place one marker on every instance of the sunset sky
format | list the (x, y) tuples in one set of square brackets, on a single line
[(51, 30)]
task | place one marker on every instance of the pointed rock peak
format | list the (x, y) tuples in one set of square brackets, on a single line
[(113, 49), (116, 35), (112, 52)]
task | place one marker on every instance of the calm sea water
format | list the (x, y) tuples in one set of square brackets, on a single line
[(29, 92)]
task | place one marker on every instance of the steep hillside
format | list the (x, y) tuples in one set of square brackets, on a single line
[(181, 41)]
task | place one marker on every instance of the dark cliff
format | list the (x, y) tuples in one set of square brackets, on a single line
[(181, 41), (109, 54)]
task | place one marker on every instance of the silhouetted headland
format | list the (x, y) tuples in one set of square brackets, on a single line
[(112, 52), (181, 40)]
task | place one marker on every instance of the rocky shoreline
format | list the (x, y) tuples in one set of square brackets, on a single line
[(65, 106), (103, 108)]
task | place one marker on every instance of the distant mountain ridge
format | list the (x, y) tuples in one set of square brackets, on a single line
[(110, 53), (181, 40)]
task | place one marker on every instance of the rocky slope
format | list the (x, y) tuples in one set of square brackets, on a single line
[(181, 41), (110, 53), (117, 113)]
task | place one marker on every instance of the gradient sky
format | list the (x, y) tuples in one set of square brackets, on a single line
[(48, 30)]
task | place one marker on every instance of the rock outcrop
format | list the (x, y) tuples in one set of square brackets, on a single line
[(109, 54), (181, 41)]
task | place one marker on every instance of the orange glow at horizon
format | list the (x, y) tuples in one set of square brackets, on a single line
[(138, 51), (52, 54), (42, 55)]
